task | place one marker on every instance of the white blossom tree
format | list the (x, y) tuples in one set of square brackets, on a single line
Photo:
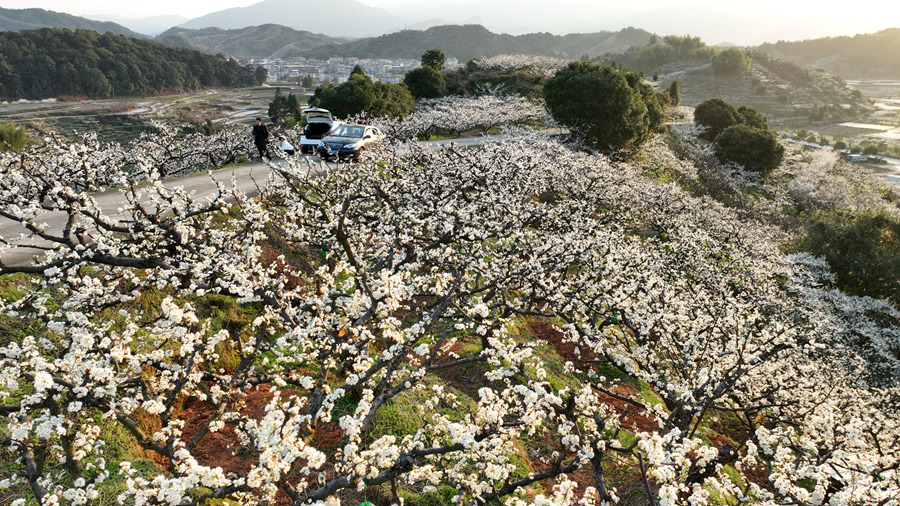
[(401, 272)]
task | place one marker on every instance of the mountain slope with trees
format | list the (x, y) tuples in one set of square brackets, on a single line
[(32, 19), (52, 62), (863, 55), (465, 42), (265, 41), (785, 92)]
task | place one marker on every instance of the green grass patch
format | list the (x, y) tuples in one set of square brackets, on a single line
[(405, 413)]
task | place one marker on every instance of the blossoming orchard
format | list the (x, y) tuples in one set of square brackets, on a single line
[(521, 322)]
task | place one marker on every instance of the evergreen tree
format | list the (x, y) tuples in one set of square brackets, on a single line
[(426, 82), (609, 108), (674, 93), (434, 58)]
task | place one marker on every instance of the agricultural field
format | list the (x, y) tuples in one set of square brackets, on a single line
[(123, 120)]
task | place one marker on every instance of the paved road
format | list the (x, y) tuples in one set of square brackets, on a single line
[(890, 169), (247, 177)]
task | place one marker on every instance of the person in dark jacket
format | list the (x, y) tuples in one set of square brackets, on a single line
[(261, 138)]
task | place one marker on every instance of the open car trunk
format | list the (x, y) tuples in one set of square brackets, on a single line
[(317, 130)]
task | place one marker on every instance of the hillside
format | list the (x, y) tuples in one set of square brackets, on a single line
[(521, 322), (335, 18), (787, 93), (871, 55), (32, 19), (266, 41), (473, 41), (53, 62)]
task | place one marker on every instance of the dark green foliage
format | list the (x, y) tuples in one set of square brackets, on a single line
[(434, 58), (752, 117), (357, 70), (34, 19), (730, 61), (426, 82), (262, 41), (863, 249), (754, 148), (52, 62), (674, 93), (359, 95), (609, 108), (716, 115), (656, 54), (282, 108), (871, 150), (12, 137)]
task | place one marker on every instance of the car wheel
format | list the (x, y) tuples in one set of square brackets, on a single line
[(304, 149)]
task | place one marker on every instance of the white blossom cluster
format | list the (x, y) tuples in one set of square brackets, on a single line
[(418, 266), (544, 65), (455, 115)]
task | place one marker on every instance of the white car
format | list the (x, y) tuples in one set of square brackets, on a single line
[(318, 123)]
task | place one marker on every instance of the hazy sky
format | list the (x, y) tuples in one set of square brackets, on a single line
[(714, 21)]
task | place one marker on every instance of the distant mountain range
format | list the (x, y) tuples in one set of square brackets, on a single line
[(265, 41), (309, 28), (456, 41), (473, 41), (152, 25), (31, 19), (335, 17)]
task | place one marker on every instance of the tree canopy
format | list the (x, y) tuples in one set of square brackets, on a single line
[(283, 107), (434, 58), (426, 82), (729, 61), (716, 115), (741, 135), (359, 95), (753, 148), (52, 62), (609, 108)]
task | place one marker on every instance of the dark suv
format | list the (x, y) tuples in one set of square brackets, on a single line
[(348, 141)]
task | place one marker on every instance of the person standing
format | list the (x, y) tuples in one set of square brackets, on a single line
[(261, 139)]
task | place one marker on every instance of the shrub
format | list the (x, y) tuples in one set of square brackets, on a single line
[(609, 108), (753, 118), (716, 115), (863, 249), (754, 148), (674, 93), (12, 137)]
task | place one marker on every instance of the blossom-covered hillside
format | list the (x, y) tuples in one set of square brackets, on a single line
[(522, 322)]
